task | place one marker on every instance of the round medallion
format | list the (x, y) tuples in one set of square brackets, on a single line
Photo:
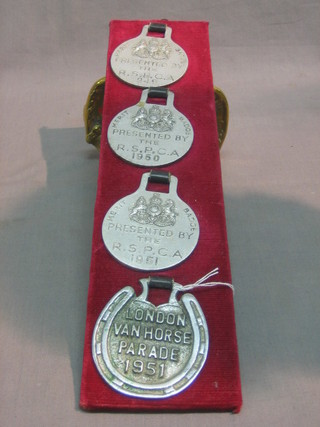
[(150, 230), (147, 61), (146, 351), (149, 134)]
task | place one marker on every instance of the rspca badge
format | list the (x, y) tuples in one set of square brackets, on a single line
[(148, 61), (150, 134), (150, 230)]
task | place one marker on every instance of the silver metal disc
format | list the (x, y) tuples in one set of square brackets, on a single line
[(147, 61), (146, 351), (150, 134), (151, 231)]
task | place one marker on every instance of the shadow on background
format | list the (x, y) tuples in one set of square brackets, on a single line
[(47, 243), (274, 248)]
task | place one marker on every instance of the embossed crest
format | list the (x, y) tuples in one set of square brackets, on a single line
[(151, 231), (147, 61), (149, 134), (147, 351), (152, 48), (155, 211)]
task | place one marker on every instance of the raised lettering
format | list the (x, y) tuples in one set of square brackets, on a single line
[(141, 350), (153, 352), (122, 346), (130, 349)]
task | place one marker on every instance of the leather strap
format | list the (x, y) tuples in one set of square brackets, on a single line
[(158, 92), (155, 27), (159, 177), (160, 282)]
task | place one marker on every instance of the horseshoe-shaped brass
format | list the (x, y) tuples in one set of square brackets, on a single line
[(146, 351)]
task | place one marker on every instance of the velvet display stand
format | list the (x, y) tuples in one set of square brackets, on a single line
[(217, 388)]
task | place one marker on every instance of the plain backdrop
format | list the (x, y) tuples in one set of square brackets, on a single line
[(266, 58)]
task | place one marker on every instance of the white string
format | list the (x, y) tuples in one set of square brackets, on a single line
[(202, 283)]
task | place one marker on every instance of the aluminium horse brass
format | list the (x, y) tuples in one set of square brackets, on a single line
[(148, 61), (149, 230), (149, 134), (149, 351)]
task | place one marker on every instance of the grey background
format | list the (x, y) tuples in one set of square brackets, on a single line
[(265, 57)]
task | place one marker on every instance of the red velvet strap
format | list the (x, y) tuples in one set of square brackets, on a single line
[(218, 385)]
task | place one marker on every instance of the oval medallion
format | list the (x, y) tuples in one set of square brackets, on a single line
[(147, 61), (149, 134), (148, 230), (146, 351)]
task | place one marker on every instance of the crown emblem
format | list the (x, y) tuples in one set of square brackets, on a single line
[(153, 119), (154, 48), (155, 211)]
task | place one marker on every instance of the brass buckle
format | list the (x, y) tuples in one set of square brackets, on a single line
[(92, 113)]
